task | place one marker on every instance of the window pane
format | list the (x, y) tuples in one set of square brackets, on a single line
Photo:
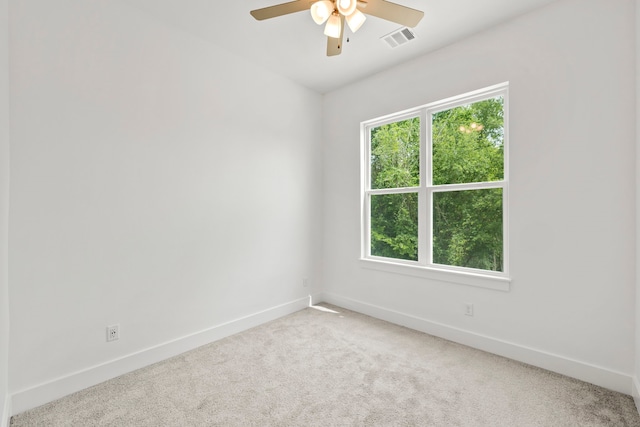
[(468, 143), (394, 226), (467, 228), (395, 154)]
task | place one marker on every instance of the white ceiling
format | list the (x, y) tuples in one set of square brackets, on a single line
[(294, 46)]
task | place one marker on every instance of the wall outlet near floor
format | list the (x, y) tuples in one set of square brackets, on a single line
[(468, 309), (305, 283), (113, 333)]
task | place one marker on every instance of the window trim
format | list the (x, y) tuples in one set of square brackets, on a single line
[(424, 267)]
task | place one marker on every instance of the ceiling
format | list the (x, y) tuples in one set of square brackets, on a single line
[(294, 46)]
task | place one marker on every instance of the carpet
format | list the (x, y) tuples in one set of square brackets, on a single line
[(327, 366)]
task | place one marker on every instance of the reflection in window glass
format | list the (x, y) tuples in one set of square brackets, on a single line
[(468, 143)]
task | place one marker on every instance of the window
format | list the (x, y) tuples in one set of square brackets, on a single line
[(435, 186)]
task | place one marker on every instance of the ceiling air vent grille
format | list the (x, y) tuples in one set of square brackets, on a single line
[(399, 37)]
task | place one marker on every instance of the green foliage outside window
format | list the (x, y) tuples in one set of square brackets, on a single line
[(467, 147), (395, 154), (395, 163), (467, 228), (394, 225), (468, 143)]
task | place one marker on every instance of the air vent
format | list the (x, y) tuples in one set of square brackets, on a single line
[(399, 37)]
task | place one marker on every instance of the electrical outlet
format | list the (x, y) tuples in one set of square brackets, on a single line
[(305, 283), (113, 333), (468, 309)]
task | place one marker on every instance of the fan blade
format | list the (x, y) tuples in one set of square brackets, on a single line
[(281, 9), (334, 46), (391, 12)]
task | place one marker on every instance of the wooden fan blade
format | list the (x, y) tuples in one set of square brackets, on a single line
[(281, 9), (334, 46), (391, 12)]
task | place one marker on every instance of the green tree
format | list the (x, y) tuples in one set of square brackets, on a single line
[(395, 154), (468, 143), (395, 163), (467, 147)]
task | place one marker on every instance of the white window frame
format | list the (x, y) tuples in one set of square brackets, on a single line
[(424, 267)]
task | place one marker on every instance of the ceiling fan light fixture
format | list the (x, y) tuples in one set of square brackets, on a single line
[(334, 13), (333, 27), (346, 7), (355, 20), (321, 11)]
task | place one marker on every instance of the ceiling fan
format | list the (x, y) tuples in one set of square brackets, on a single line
[(336, 12)]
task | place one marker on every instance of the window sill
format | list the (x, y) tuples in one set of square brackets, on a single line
[(486, 281)]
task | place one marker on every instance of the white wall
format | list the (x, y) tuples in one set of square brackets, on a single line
[(571, 306), (636, 377), (4, 210), (163, 184), (158, 182)]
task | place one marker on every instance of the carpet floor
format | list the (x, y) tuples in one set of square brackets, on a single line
[(327, 366)]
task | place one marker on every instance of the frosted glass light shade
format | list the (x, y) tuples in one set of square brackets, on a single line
[(355, 20), (346, 7), (333, 27), (321, 11)]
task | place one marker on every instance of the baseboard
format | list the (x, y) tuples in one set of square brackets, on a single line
[(316, 298), (63, 386), (6, 412), (635, 385), (573, 368)]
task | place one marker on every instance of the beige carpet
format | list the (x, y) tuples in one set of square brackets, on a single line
[(337, 368)]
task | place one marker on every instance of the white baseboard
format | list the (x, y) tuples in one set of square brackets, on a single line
[(635, 385), (60, 387), (316, 298), (573, 368)]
